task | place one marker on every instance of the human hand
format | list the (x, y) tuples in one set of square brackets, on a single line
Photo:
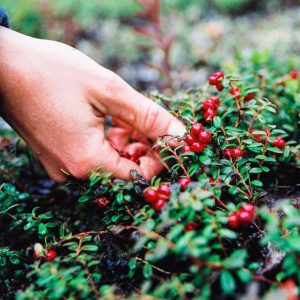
[(57, 98)]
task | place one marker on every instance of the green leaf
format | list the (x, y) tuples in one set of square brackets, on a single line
[(84, 198), (42, 229), (205, 160), (257, 183), (274, 150), (244, 275), (217, 122), (89, 248), (236, 259), (227, 282), (147, 271), (255, 170)]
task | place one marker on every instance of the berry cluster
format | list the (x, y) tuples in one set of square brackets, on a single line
[(243, 217), (210, 108), (260, 137), (279, 142), (102, 202), (216, 80), (197, 139), (235, 91), (233, 153), (157, 197), (40, 252)]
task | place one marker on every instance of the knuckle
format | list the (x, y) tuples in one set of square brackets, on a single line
[(152, 116)]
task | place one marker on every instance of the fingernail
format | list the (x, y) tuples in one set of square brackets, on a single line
[(176, 128)]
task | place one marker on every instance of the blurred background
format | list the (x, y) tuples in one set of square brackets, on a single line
[(157, 44)]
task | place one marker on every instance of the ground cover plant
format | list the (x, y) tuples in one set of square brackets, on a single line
[(221, 221)]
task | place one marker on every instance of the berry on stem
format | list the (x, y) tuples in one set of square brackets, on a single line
[(249, 97), (184, 182), (159, 204), (294, 74), (189, 139), (185, 149), (50, 255), (279, 142), (235, 91), (244, 217), (190, 226), (102, 202), (196, 129), (204, 137), (197, 147), (233, 221), (209, 114), (164, 190), (248, 208), (151, 195)]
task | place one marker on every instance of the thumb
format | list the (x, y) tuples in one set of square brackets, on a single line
[(141, 113)]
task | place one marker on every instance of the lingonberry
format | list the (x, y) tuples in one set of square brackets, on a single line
[(184, 182), (207, 104), (159, 204), (215, 100), (50, 255), (189, 139), (279, 142), (219, 86), (196, 129), (294, 74), (214, 181), (38, 250), (249, 97), (213, 80), (151, 195), (190, 226), (164, 190), (185, 149), (36, 255), (209, 114), (261, 137), (227, 152), (237, 153), (204, 137), (244, 217), (102, 202), (235, 91), (219, 75), (233, 221), (197, 147), (248, 208)]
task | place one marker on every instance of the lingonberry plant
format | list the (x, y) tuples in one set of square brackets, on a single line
[(220, 222)]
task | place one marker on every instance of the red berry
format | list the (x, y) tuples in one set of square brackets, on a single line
[(164, 190), (227, 152), (213, 182), (36, 255), (244, 218), (159, 204), (197, 147), (249, 97), (279, 142), (189, 139), (204, 137), (294, 74), (235, 91), (102, 202), (259, 137), (50, 255), (213, 80), (185, 149), (190, 226), (209, 114), (215, 100), (208, 104), (219, 75), (184, 182), (219, 86), (196, 129), (248, 208), (237, 152), (151, 195), (233, 221)]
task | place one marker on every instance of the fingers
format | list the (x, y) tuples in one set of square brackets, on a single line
[(119, 100)]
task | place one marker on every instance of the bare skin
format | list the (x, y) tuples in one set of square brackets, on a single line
[(57, 98)]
